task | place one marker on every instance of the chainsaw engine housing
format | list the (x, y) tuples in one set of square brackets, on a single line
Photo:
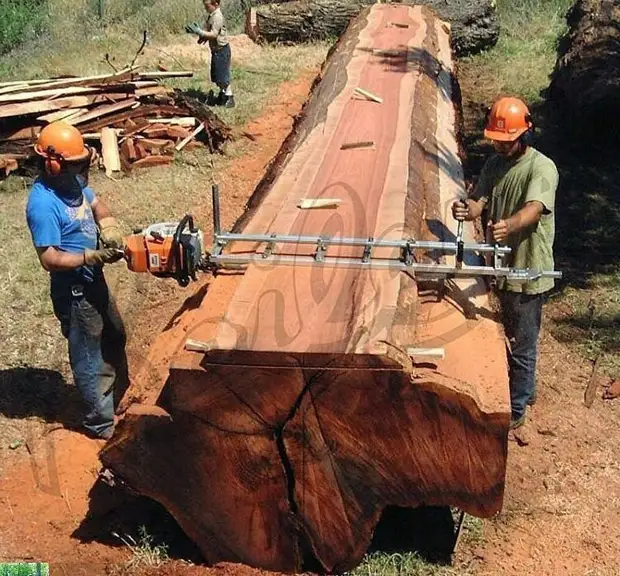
[(166, 249)]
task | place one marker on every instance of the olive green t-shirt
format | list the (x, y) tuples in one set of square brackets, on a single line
[(508, 185)]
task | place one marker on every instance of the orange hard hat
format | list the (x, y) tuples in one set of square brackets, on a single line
[(59, 140), (507, 120)]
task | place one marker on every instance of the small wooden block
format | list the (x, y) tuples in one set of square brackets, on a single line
[(354, 145), (368, 95), (128, 150), (8, 165), (197, 345), (158, 143), (309, 203), (140, 151), (156, 131), (430, 352), (193, 145)]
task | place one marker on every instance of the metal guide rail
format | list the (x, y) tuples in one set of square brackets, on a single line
[(406, 261)]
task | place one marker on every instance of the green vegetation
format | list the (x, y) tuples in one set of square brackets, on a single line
[(49, 36), (145, 552), (412, 564), (590, 319), (24, 569), (21, 21), (525, 53)]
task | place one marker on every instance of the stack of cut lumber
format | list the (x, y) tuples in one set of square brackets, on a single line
[(129, 115)]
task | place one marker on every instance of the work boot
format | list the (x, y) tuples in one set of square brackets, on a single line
[(229, 101), (212, 99), (514, 424)]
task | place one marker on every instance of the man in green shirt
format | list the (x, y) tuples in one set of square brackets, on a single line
[(517, 189)]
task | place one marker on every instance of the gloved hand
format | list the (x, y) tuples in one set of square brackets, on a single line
[(193, 28), (110, 232), (101, 257)]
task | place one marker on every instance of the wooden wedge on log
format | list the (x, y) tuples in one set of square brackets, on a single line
[(280, 444)]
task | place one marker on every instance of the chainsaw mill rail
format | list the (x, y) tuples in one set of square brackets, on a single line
[(406, 263)]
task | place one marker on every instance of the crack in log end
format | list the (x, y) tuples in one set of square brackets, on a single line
[(289, 473), (309, 560)]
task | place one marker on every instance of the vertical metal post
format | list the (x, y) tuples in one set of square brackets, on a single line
[(460, 245), (100, 9), (215, 192)]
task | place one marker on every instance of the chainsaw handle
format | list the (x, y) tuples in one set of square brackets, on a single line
[(181, 265)]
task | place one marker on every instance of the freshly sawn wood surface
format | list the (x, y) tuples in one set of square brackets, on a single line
[(304, 417)]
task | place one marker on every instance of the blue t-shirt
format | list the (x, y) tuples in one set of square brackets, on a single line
[(67, 224)]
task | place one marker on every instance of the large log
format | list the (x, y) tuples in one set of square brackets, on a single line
[(282, 444), (586, 79), (475, 25)]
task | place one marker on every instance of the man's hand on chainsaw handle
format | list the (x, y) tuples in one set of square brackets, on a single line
[(460, 210), (110, 233), (467, 209), (101, 257)]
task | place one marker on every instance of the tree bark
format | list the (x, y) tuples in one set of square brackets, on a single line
[(584, 85), (282, 445), (475, 25)]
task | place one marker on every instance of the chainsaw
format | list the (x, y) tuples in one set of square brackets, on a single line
[(167, 250), (176, 250)]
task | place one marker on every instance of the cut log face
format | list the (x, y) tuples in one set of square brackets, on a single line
[(305, 418)]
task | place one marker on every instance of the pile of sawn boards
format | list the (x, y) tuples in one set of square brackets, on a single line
[(129, 116)]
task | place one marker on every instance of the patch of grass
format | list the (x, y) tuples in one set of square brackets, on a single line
[(21, 20), (146, 553), (410, 563), (405, 564), (525, 53), (68, 37), (589, 318)]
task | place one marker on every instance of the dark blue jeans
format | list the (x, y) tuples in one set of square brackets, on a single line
[(521, 315), (220, 67), (94, 330)]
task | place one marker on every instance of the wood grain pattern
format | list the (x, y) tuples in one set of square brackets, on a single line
[(306, 416)]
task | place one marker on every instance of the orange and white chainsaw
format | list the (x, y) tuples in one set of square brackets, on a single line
[(176, 250)]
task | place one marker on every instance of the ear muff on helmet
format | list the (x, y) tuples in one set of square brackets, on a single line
[(53, 162)]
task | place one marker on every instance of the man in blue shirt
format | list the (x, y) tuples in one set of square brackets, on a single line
[(67, 223)]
